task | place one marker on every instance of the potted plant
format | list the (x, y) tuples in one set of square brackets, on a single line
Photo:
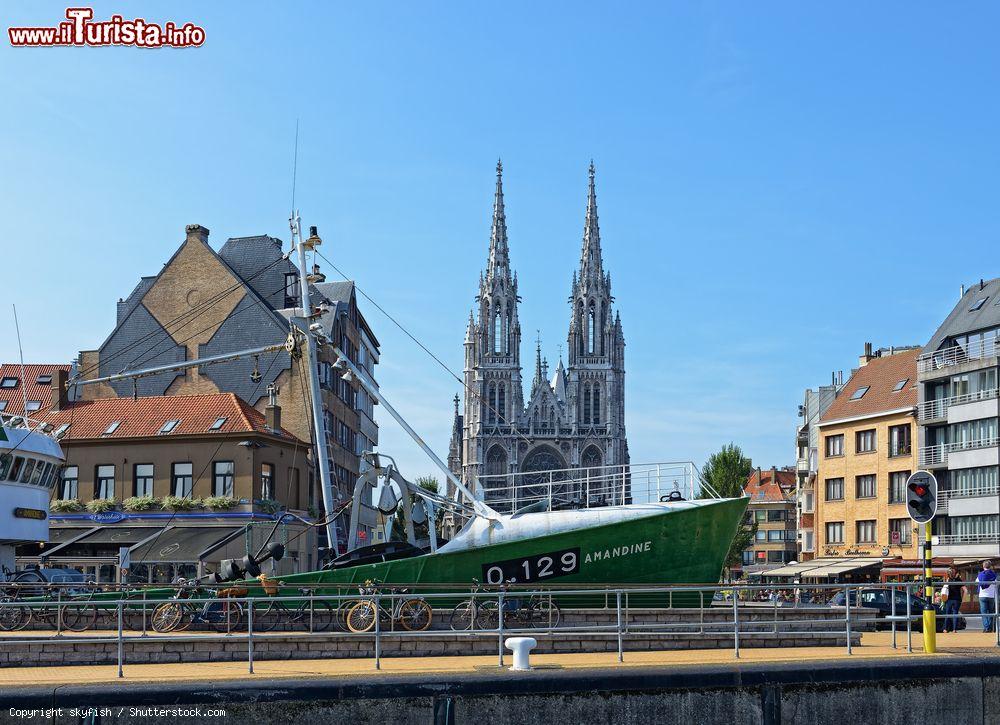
[(140, 503), (65, 505), (179, 503), (100, 505), (219, 503)]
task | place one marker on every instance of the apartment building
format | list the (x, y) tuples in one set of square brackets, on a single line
[(205, 302), (772, 506), (814, 404), (866, 454), (957, 414)]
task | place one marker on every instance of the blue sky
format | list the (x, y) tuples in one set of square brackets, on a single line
[(777, 183)]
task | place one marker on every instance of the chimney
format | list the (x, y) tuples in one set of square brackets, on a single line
[(272, 413), (867, 356), (196, 233), (60, 399)]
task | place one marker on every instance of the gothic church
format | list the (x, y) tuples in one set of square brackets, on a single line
[(573, 419)]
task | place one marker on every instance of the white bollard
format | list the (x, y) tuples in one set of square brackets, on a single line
[(521, 647)]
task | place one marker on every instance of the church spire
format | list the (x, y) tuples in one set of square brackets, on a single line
[(498, 264), (539, 375), (590, 255)]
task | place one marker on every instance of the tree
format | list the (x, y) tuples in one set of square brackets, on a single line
[(428, 483), (727, 472)]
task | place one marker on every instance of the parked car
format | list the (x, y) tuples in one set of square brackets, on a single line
[(877, 599)]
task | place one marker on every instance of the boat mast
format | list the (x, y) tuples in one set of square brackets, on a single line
[(310, 361)]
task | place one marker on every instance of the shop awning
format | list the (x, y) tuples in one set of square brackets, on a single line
[(183, 544), (102, 541), (824, 567), (58, 536)]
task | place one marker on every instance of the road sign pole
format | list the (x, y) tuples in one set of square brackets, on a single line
[(930, 620)]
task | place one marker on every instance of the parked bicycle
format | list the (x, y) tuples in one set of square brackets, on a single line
[(219, 613), (58, 609), (476, 612), (313, 615), (537, 611), (413, 614)]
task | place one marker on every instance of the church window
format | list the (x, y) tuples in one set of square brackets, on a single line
[(497, 331), (502, 403), (492, 415), (590, 329), (586, 404), (496, 462), (595, 416)]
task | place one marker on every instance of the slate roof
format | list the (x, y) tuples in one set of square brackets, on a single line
[(880, 375), (12, 399), (144, 417), (964, 319)]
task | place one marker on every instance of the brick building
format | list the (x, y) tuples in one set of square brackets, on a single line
[(772, 506), (203, 303), (866, 454), (32, 383)]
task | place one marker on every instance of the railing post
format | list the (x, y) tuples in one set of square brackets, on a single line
[(701, 612), (736, 623), (312, 611), (909, 620), (847, 601), (618, 604), (550, 490), (624, 473), (378, 631), (892, 593), (58, 612), (996, 614), (500, 627), (250, 634), (121, 642), (144, 605)]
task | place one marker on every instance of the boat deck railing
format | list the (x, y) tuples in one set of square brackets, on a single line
[(636, 614), (593, 486)]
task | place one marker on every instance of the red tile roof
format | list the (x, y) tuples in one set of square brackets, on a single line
[(144, 417), (881, 375), (766, 488), (12, 399)]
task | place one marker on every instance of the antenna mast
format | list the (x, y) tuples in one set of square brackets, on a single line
[(20, 352)]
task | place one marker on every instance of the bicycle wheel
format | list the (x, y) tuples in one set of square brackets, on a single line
[(268, 616), (316, 616), (362, 617), (167, 617), (79, 617), (544, 613), (343, 609), (415, 615), (13, 618), (463, 616), (227, 618), (488, 615)]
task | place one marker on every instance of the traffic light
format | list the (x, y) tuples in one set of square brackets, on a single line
[(921, 496)]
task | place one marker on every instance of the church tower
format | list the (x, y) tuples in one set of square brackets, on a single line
[(595, 375), (493, 394)]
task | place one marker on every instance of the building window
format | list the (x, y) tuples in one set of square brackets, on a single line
[(70, 483), (865, 486), (169, 426), (291, 289), (44, 380), (761, 535), (807, 502), (8, 383), (897, 486), (111, 429), (900, 385), (899, 440), (775, 515), (834, 489), (217, 425), (183, 479), (591, 329), (595, 416), (497, 331), (835, 532), (866, 532), (834, 446), (860, 393), (32, 406), (143, 479), (104, 482), (864, 441), (980, 481), (266, 481), (748, 558), (900, 531), (807, 541), (222, 478)]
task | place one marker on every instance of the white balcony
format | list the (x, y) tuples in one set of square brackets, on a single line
[(934, 455), (935, 409), (962, 499), (957, 355)]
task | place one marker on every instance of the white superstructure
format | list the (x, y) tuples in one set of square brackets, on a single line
[(30, 463)]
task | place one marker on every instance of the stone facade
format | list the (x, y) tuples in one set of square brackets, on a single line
[(573, 419)]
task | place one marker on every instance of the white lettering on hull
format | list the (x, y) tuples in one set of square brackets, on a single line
[(618, 551)]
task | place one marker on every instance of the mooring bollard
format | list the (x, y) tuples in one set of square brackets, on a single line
[(521, 647)]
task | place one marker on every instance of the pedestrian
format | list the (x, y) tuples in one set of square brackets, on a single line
[(953, 592), (987, 581)]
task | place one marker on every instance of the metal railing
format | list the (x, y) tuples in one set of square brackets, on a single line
[(986, 538), (931, 455), (957, 354), (837, 612), (944, 497), (592, 487), (932, 409)]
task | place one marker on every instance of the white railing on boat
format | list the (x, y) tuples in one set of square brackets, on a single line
[(592, 487)]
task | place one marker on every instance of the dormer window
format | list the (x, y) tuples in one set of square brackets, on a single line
[(169, 426), (291, 289)]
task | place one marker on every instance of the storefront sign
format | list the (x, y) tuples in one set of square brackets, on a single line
[(36, 514), (107, 517)]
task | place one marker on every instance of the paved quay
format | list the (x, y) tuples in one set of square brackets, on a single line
[(875, 645)]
